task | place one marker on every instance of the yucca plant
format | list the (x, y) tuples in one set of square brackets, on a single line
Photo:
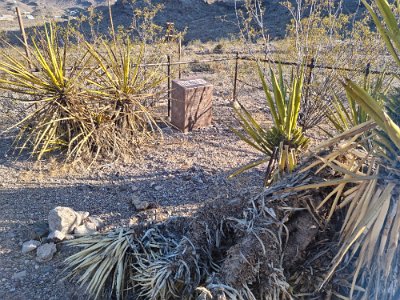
[(281, 143), (57, 118), (127, 89), (371, 228), (386, 116), (344, 114)]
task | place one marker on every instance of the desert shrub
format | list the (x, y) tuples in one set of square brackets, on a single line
[(218, 49), (143, 25), (200, 67), (84, 104), (59, 118), (127, 91), (282, 142)]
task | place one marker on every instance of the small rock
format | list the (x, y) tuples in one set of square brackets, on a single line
[(85, 229), (56, 236), (158, 188), (45, 252), (134, 188), (187, 177), (139, 204), (19, 275), (65, 219), (97, 221), (30, 246), (198, 180)]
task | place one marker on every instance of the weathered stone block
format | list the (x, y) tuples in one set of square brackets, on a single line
[(191, 104)]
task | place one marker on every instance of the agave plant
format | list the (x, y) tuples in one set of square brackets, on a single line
[(282, 142), (58, 120)]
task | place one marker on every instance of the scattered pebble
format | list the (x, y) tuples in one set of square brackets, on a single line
[(158, 188), (45, 252), (139, 204), (19, 275), (29, 246)]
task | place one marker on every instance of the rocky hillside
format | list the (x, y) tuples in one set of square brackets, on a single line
[(203, 19)]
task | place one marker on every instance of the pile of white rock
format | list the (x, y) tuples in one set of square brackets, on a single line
[(64, 223)]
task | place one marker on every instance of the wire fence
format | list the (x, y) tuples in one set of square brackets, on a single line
[(311, 65)]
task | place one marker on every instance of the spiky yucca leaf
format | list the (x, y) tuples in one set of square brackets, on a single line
[(285, 138), (391, 131), (59, 120), (103, 258), (347, 113), (107, 264), (369, 195), (127, 87)]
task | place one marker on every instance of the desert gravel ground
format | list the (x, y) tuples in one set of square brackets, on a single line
[(177, 175)]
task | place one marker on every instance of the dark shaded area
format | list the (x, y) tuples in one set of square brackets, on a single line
[(202, 21)]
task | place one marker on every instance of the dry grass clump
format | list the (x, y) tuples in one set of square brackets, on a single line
[(83, 104)]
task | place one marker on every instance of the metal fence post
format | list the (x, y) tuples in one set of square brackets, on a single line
[(169, 84), (367, 71), (310, 68), (180, 56), (236, 77), (21, 27)]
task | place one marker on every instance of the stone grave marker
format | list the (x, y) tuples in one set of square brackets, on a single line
[(191, 104)]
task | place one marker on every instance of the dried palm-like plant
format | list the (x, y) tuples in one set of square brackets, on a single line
[(108, 264), (101, 104)]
